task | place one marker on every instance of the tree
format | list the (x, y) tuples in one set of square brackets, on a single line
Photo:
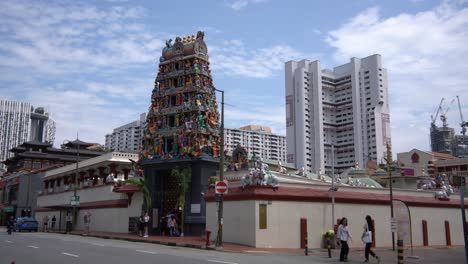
[(184, 177), (140, 183)]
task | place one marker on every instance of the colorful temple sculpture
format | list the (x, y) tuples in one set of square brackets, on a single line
[(182, 135), (183, 118)]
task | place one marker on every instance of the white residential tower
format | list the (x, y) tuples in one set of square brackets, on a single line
[(257, 139), (127, 138), (346, 107)]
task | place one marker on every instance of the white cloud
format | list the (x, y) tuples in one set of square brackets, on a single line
[(60, 37), (425, 54), (239, 4), (233, 58)]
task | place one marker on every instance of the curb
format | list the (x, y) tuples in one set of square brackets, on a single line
[(165, 243)]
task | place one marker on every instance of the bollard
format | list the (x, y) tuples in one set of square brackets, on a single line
[(208, 234), (400, 251), (306, 250)]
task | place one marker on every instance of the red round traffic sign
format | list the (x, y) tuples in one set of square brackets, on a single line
[(221, 187)]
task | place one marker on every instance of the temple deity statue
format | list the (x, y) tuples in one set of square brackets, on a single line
[(183, 116)]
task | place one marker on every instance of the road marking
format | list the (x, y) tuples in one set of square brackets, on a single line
[(68, 254), (33, 247), (8, 241), (150, 252), (217, 261), (258, 251), (101, 245)]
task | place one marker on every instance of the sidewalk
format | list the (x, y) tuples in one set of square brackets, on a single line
[(426, 255)]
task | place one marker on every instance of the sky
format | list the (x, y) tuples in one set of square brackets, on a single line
[(92, 64)]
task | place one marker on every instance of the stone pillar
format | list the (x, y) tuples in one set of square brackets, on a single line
[(102, 174), (92, 176), (126, 171)]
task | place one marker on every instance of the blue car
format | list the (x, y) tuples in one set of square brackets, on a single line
[(26, 223)]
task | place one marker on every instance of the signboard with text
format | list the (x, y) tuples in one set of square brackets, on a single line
[(75, 200)]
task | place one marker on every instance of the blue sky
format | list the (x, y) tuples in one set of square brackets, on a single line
[(93, 63)]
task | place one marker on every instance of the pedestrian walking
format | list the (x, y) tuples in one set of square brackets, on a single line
[(141, 225), (174, 227), (170, 225), (87, 221), (45, 222), (146, 219), (367, 239), (68, 220), (343, 237), (10, 225), (53, 222)]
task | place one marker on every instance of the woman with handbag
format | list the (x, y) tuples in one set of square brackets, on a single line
[(367, 239), (343, 237)]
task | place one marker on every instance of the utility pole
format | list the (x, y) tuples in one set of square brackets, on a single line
[(219, 242), (389, 171), (333, 184), (76, 180)]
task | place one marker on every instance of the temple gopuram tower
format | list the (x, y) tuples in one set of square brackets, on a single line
[(182, 131)]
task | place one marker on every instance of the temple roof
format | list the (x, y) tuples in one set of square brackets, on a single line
[(81, 144), (184, 46)]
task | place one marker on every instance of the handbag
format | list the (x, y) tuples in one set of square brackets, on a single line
[(367, 237)]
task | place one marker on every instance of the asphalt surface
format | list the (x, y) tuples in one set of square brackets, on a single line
[(48, 248), (42, 248)]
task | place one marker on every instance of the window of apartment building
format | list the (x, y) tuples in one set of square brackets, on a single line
[(366, 78)]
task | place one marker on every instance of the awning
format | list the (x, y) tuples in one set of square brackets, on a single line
[(128, 188)]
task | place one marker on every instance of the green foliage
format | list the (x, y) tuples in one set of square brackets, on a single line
[(141, 185), (39, 110), (184, 177)]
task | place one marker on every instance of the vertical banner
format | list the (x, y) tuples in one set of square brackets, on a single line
[(403, 219)]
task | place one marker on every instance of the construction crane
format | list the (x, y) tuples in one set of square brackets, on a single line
[(443, 114), (434, 116), (463, 124)]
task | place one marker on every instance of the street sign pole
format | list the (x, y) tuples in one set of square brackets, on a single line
[(462, 206)]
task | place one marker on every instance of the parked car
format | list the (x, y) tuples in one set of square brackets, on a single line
[(26, 223)]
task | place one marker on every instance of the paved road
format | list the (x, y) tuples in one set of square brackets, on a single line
[(47, 248)]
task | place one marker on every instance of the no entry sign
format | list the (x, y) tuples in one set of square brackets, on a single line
[(221, 187)]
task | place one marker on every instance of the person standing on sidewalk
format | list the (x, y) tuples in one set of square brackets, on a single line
[(367, 239), (45, 223), (87, 221), (53, 222), (146, 219), (141, 225), (170, 225), (68, 219), (343, 236)]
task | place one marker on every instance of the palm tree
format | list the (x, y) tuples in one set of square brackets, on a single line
[(140, 183), (184, 177)]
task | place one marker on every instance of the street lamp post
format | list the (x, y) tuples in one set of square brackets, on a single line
[(389, 171), (75, 184), (219, 242), (333, 184)]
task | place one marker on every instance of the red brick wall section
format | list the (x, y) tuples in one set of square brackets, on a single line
[(447, 234), (425, 235), (311, 194), (303, 231), (119, 203)]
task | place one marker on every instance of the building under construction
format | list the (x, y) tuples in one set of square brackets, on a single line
[(443, 139)]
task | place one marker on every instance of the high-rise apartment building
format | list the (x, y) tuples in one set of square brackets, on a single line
[(346, 107), (127, 138), (14, 126), (19, 122), (258, 140)]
